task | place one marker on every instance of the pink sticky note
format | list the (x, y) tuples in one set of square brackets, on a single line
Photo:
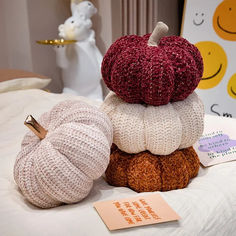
[(135, 211)]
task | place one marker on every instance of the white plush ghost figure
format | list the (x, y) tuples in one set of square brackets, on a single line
[(80, 62), (85, 6), (76, 28)]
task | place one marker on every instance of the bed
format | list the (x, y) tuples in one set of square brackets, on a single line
[(206, 207)]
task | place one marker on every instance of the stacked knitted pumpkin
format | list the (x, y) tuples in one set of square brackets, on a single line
[(155, 113)]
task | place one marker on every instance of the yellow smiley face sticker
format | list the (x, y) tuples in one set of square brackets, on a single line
[(224, 20), (215, 64), (231, 88)]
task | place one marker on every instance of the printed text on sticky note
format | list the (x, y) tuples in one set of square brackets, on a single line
[(218, 142), (136, 211)]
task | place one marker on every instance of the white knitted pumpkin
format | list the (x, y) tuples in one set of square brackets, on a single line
[(158, 129), (61, 167)]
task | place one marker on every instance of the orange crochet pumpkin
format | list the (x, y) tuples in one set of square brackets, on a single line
[(145, 172)]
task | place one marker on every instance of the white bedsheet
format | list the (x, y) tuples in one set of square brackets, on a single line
[(207, 206)]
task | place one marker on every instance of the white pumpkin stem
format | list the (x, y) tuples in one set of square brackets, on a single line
[(160, 31), (35, 127)]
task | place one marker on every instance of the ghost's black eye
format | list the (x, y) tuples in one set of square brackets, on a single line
[(202, 14), (72, 21), (89, 3), (196, 14)]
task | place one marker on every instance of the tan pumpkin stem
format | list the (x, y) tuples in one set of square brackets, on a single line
[(35, 127), (160, 31)]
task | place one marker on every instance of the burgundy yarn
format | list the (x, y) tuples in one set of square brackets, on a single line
[(139, 73)]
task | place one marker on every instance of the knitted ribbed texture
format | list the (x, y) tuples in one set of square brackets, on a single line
[(145, 172), (139, 73), (61, 168), (158, 129)]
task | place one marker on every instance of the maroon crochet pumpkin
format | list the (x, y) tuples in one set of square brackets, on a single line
[(152, 69)]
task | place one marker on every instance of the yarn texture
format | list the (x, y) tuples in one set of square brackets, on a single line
[(139, 73), (145, 172), (158, 129), (155, 113), (61, 167)]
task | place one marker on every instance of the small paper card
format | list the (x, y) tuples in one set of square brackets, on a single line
[(135, 211), (218, 143)]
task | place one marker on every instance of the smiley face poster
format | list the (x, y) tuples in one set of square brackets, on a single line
[(211, 26)]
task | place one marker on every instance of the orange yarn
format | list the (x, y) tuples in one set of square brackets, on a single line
[(145, 172)]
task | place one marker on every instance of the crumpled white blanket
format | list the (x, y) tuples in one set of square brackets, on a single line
[(207, 206)]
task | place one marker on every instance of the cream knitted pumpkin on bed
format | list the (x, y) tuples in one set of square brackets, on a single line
[(158, 129), (61, 167)]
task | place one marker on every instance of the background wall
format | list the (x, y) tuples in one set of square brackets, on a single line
[(15, 41), (25, 21), (3, 40), (22, 22)]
